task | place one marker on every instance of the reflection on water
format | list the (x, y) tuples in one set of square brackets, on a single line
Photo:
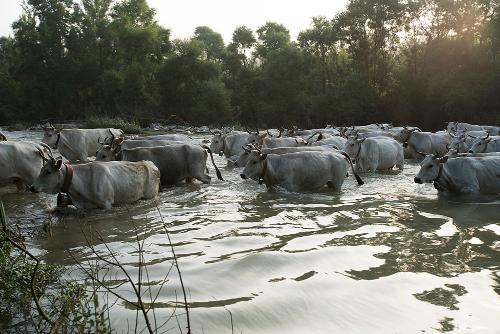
[(390, 256)]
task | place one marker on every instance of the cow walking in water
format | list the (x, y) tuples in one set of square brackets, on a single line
[(99, 184)]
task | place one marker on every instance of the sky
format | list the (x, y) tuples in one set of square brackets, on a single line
[(223, 16)]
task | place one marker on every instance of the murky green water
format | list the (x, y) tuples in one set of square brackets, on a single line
[(388, 257)]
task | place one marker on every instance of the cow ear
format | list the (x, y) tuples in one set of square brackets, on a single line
[(488, 140), (263, 156), (443, 159), (58, 163)]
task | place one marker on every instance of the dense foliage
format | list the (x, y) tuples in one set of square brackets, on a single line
[(422, 62)]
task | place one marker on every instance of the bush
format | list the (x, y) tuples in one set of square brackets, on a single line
[(116, 122)]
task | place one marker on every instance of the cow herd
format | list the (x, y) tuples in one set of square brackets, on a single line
[(463, 158)]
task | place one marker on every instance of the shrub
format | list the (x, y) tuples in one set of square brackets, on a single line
[(116, 122)]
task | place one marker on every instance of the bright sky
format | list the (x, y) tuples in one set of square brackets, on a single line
[(223, 16)]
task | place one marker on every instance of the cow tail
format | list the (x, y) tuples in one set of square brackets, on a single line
[(217, 171), (358, 179)]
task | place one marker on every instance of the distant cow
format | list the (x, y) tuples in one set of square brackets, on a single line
[(100, 184), (78, 144), (485, 145), (283, 142), (3, 137), (424, 142), (20, 162), (300, 171), (461, 175)]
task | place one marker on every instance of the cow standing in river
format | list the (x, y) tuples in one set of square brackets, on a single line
[(78, 144)]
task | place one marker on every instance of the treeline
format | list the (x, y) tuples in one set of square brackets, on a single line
[(419, 62)]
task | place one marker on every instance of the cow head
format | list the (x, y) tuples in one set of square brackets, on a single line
[(49, 180), (479, 145), (217, 142), (404, 134), (351, 145), (452, 127), (256, 138), (244, 155), (110, 152), (255, 166), (429, 168), (458, 144), (50, 135)]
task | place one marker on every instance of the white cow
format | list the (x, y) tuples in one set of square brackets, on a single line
[(486, 145), (167, 137), (112, 151), (456, 126), (20, 162), (176, 162), (336, 141), (100, 184), (375, 153), (300, 171), (424, 142), (247, 152), (283, 142), (230, 145), (78, 144), (461, 175)]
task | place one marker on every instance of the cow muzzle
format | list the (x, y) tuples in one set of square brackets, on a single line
[(418, 180), (470, 151), (33, 190), (243, 176)]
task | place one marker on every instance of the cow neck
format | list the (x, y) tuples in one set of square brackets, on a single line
[(438, 184), (68, 177), (264, 171), (357, 154), (57, 140)]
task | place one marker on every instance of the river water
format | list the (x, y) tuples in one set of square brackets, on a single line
[(390, 256)]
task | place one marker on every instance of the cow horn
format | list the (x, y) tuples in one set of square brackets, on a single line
[(487, 136), (471, 136), (246, 149), (280, 132)]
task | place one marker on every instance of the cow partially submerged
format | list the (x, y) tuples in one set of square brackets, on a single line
[(425, 142), (375, 153), (78, 144), (300, 171), (99, 184), (176, 162), (229, 144), (247, 151), (20, 162), (461, 175)]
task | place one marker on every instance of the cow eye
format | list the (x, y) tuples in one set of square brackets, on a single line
[(430, 166), (47, 173)]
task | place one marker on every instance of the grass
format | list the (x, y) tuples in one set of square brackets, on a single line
[(115, 122)]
